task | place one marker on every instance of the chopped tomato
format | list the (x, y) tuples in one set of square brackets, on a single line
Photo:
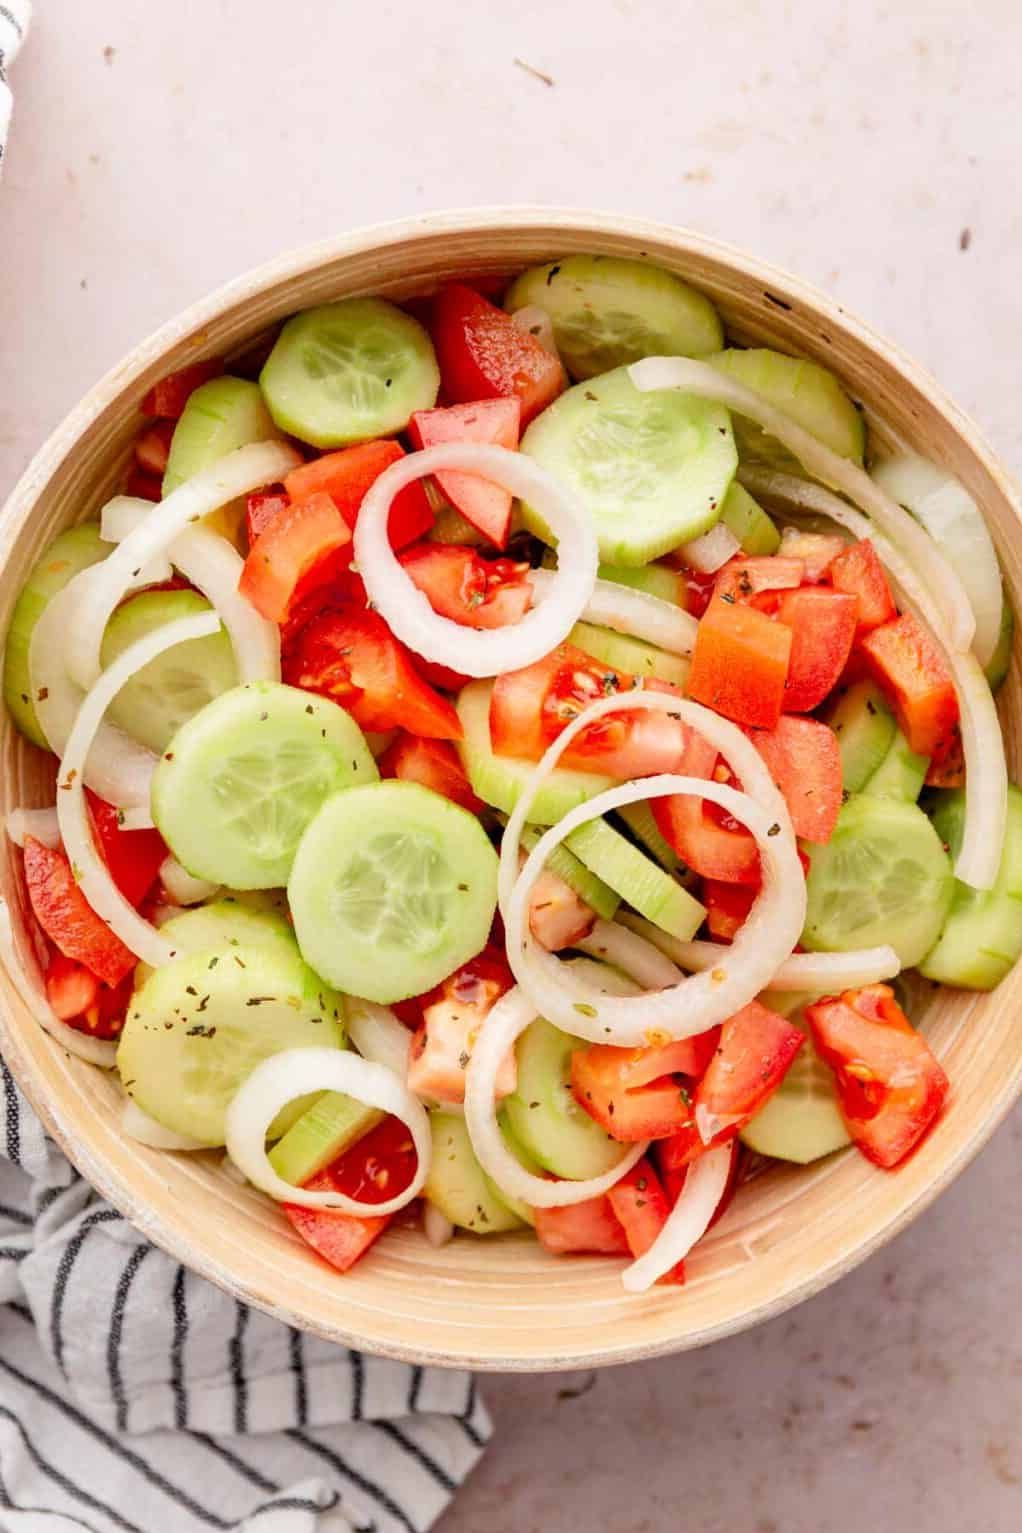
[(345, 592), (740, 663), (133, 856), (632, 1093), (590, 1227), (347, 475), (142, 485), (673, 1179), (452, 1015), (304, 546), (433, 763), (947, 765), (463, 586), (753, 1056), (641, 1205), (378, 1167), (68, 919), (558, 917), (711, 844), (727, 907), (857, 572), (262, 508), (890, 1087), (905, 661), (817, 550), (483, 355), (485, 504), (167, 399), (440, 675), (353, 657), (746, 577), (698, 591), (804, 759), (823, 624), (70, 987), (152, 448)]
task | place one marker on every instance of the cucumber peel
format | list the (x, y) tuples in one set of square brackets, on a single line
[(982, 937), (639, 880)]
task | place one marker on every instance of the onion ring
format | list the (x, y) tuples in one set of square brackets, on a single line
[(704, 1186), (635, 613)]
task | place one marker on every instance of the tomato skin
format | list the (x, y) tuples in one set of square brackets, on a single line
[(167, 399), (709, 847), (352, 657), (433, 763), (823, 625), (134, 857), (68, 919), (642, 1207), (904, 660), (483, 355), (804, 759), (152, 448), (890, 1087), (142, 485), (303, 546), (486, 505), (378, 1167), (857, 572), (590, 1227), (347, 475), (740, 663), (727, 907), (462, 586), (262, 508), (631, 1093)]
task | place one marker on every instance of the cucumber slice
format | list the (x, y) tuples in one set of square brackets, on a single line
[(999, 664), (748, 522), (607, 312), (901, 774), (653, 469), (639, 880), (393, 888), (171, 689), (498, 780), (654, 579), (457, 1183), (220, 416), (449, 526), (865, 730), (224, 924), (349, 371), (884, 877), (200, 1025), (521, 1210), (598, 895), (806, 392), (325, 1130), (244, 777), (640, 821), (624, 653), (801, 1121), (68, 554), (545, 1118), (982, 939)]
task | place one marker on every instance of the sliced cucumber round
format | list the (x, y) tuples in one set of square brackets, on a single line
[(608, 312), (637, 878), (624, 653), (223, 924), (596, 894), (325, 1130), (641, 823), (884, 877), (457, 1184), (655, 579), (652, 468), (68, 554), (801, 1122), (241, 780), (220, 416), (982, 938), (805, 391), (171, 689), (498, 780), (200, 1025), (349, 371), (746, 520), (393, 888), (865, 729), (543, 1114), (901, 774)]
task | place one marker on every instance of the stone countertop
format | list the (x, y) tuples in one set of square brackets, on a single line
[(872, 149)]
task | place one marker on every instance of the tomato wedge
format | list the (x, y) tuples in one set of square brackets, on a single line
[(890, 1087), (462, 586), (673, 1178), (823, 624), (632, 1093), (748, 576), (740, 663), (354, 658), (641, 1205), (262, 508), (304, 546), (134, 857), (486, 505), (347, 475), (168, 398), (709, 843), (452, 1015), (152, 449), (905, 661), (483, 355), (857, 572), (68, 919), (727, 907), (141, 485), (591, 1227), (804, 759), (433, 763), (83, 1001), (378, 1167)]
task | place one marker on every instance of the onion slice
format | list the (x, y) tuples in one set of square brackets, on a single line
[(95, 1051), (635, 613), (292, 1073), (239, 472), (138, 1125), (502, 1028), (711, 552), (705, 382), (477, 652), (534, 321), (378, 1034), (688, 1221), (182, 888), (436, 1227), (121, 516), (91, 871), (626, 948), (40, 824)]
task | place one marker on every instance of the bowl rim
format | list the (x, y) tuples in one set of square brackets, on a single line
[(16, 513)]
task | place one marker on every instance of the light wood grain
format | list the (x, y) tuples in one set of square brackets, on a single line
[(502, 1303)]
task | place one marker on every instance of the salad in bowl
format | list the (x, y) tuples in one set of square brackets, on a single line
[(518, 759)]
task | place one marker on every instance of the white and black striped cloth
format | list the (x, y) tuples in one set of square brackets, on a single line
[(136, 1398)]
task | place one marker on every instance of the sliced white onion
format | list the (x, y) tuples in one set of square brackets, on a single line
[(702, 380), (91, 872), (477, 652), (498, 1035), (635, 613), (436, 1227), (955, 522), (119, 517), (827, 973), (138, 1125), (378, 1034), (712, 551), (986, 771), (246, 469), (643, 961), (534, 321), (40, 824), (294, 1072), (182, 887), (95, 1051), (137, 818), (705, 1183)]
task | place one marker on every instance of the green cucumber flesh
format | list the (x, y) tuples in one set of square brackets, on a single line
[(596, 894), (166, 693), (608, 311), (637, 878), (393, 888), (982, 938), (199, 1026), (801, 1121), (652, 469), (642, 824), (499, 780), (543, 1114), (241, 780), (805, 391), (901, 774), (349, 371), (998, 665), (655, 579), (220, 416), (865, 729), (884, 877), (522, 1211), (68, 554), (635, 656), (325, 1130), (457, 1184), (746, 520), (223, 924)]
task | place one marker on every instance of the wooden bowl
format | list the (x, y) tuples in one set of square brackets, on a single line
[(502, 1303)]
